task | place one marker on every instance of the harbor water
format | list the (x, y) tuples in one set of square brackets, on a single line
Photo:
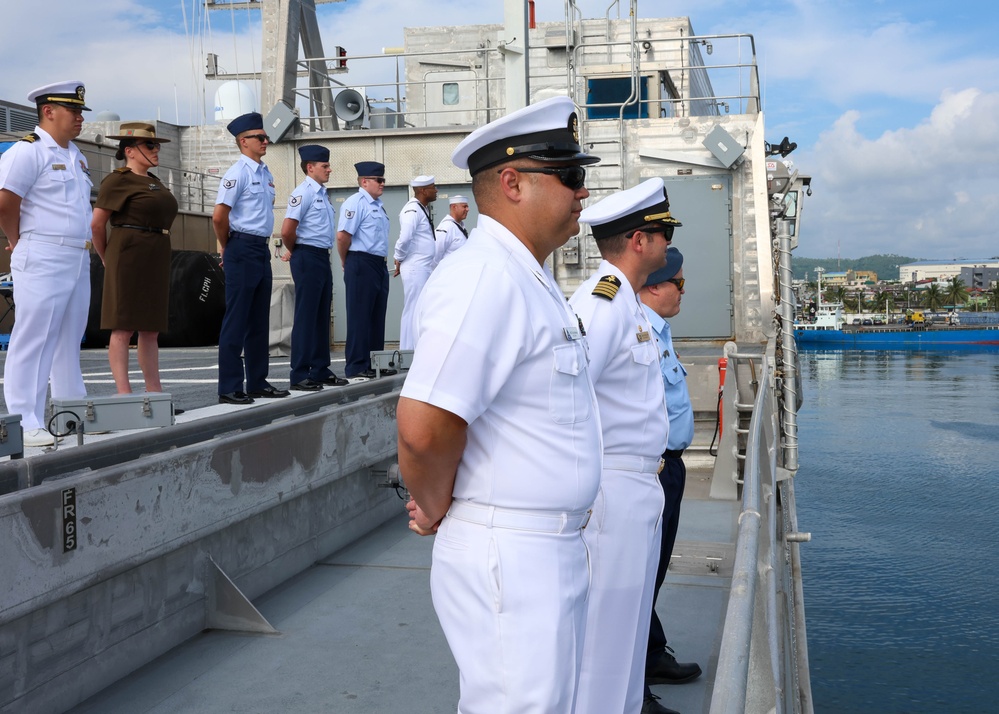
[(899, 486)]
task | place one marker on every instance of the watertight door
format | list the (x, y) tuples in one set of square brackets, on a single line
[(703, 205)]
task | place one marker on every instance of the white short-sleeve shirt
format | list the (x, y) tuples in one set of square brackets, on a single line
[(451, 236), (499, 346), (624, 363), (54, 185), (416, 244)]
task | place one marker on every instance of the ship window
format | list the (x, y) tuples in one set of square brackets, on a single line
[(615, 92), (449, 94)]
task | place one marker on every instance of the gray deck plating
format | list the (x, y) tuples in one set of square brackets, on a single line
[(358, 635)]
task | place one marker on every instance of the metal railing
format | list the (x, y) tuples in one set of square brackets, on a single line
[(685, 84), (762, 663)]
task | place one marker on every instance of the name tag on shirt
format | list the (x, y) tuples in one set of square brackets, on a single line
[(643, 336), (59, 167), (572, 333)]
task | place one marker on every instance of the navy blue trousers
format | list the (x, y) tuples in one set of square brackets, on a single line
[(245, 327), (366, 282), (673, 478), (310, 334)]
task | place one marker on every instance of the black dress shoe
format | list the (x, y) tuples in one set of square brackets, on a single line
[(177, 411), (270, 392), (651, 705), (664, 669), (371, 374), (234, 398), (306, 385), (334, 381)]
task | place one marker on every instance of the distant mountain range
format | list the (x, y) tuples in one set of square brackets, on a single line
[(886, 266)]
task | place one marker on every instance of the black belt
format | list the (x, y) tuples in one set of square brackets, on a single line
[(368, 256), (145, 229), (313, 248), (241, 234), (671, 454)]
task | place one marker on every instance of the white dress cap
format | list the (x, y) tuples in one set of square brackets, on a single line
[(69, 93), (421, 181), (547, 131), (625, 210), (457, 199)]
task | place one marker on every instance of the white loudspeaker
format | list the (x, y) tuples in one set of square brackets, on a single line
[(351, 107)]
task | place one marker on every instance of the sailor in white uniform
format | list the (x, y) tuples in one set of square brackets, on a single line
[(498, 424), (45, 212), (414, 252), (451, 231), (631, 229)]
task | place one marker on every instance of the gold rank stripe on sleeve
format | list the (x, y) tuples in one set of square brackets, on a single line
[(607, 287)]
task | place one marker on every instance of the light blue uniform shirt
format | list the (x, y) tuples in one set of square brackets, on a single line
[(367, 222), (678, 406), (309, 204), (248, 189)]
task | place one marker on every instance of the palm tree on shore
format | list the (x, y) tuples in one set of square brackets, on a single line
[(884, 298), (956, 292), (933, 298), (832, 294), (993, 296), (860, 301)]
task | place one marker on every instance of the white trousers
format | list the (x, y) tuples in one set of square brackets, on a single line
[(512, 605), (51, 303), (623, 537), (413, 280)]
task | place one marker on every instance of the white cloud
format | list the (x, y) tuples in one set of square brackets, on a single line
[(930, 191), (895, 169)]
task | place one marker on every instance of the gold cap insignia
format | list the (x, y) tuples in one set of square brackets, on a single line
[(573, 127)]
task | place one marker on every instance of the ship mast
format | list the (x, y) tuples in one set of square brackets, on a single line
[(285, 23)]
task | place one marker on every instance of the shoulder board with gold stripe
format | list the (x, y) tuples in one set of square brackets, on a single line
[(31, 138), (607, 287)]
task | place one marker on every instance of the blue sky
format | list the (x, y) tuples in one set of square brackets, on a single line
[(894, 104)]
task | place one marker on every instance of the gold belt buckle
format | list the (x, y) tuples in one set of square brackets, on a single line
[(662, 462)]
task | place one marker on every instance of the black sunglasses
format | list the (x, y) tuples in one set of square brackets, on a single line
[(258, 137), (376, 179), (151, 145), (572, 177), (679, 282), (667, 231)]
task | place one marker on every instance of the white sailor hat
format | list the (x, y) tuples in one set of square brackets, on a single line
[(457, 199), (546, 131), (642, 205), (421, 181), (69, 94)]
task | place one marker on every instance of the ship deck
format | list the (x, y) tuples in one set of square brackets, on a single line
[(357, 632)]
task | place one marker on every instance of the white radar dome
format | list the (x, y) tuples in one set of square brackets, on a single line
[(233, 99), (106, 115)]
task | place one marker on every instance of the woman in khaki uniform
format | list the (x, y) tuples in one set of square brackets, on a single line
[(137, 254)]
